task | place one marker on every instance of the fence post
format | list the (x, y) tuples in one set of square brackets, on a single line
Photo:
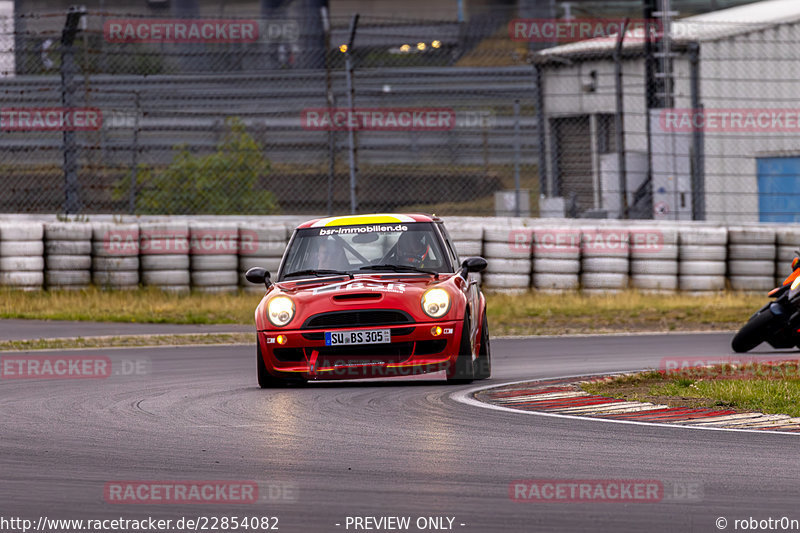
[(71, 199), (326, 26), (622, 170), (544, 189), (516, 158), (698, 163), (135, 154), (350, 130)]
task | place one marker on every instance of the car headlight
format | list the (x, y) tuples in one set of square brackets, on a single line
[(280, 310), (435, 302)]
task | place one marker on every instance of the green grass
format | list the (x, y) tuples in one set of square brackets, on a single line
[(766, 396), (543, 313), (765, 387), (532, 313), (145, 305)]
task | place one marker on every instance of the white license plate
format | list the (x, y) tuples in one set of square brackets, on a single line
[(361, 336)]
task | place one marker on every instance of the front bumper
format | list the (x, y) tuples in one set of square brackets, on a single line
[(414, 349)]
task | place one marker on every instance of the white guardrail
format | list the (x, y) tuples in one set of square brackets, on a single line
[(595, 256)]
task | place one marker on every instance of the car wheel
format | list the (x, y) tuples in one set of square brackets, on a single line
[(267, 380), (483, 364), (462, 371)]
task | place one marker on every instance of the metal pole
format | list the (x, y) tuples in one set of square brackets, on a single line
[(544, 189), (622, 170), (326, 26), (516, 159), (70, 149), (135, 155), (350, 130), (651, 101), (698, 157)]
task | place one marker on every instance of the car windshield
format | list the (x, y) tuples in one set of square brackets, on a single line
[(406, 247)]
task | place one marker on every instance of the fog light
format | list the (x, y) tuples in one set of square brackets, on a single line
[(436, 331), (282, 339)]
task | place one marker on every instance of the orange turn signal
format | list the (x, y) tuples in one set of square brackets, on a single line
[(436, 331), (281, 339)]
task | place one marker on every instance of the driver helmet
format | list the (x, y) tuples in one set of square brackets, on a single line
[(412, 249)]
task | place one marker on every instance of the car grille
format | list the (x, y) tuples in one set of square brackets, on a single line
[(366, 317)]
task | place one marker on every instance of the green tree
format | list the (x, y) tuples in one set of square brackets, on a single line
[(224, 182)]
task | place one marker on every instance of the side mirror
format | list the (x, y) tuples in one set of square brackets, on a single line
[(473, 264), (258, 275)]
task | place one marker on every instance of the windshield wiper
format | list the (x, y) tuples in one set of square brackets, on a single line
[(400, 268), (318, 273)]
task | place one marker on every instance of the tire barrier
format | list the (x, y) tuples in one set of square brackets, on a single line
[(468, 240), (21, 255), (177, 254), (702, 252), (510, 269), (260, 246), (164, 256), (556, 258), (214, 261), (751, 258), (115, 256), (654, 258), (67, 255), (605, 259)]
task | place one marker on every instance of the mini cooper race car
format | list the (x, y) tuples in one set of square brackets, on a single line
[(371, 296)]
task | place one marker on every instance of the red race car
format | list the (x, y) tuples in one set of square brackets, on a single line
[(371, 296)]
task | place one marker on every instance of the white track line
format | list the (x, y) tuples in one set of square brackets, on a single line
[(465, 396)]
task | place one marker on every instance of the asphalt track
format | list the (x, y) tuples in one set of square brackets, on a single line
[(376, 448)]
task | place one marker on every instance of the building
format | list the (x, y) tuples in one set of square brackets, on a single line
[(724, 126)]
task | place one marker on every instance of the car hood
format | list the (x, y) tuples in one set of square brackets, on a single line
[(361, 284)]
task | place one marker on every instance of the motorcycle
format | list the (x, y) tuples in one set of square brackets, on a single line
[(777, 322)]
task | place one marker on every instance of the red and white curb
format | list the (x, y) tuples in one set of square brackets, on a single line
[(563, 398)]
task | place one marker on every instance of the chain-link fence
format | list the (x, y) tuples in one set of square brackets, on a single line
[(701, 121), (108, 112), (112, 112)]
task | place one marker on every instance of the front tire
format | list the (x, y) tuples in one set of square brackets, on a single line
[(462, 372), (753, 333), (483, 364)]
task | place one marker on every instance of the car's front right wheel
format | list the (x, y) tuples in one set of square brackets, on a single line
[(483, 363), (462, 371), (267, 380)]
